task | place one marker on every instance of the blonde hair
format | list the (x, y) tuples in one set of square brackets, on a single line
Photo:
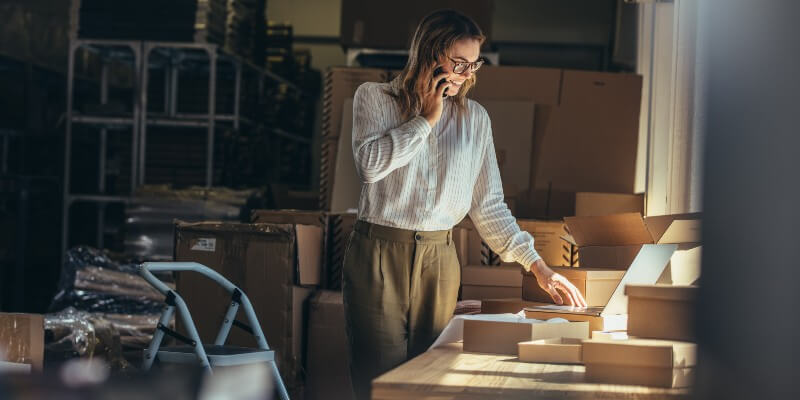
[(433, 39)]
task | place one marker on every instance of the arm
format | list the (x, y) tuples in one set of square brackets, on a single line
[(499, 229), (379, 149)]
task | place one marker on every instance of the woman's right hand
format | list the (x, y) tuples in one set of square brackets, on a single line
[(432, 101)]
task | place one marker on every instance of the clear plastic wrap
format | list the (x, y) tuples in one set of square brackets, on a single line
[(71, 333), (91, 281)]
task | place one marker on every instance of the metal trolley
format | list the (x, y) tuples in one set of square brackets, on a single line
[(194, 351)]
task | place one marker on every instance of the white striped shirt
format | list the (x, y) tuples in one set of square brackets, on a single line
[(426, 179)]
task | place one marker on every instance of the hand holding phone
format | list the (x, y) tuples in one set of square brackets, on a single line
[(438, 71)]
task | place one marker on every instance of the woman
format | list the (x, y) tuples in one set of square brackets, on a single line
[(426, 157)]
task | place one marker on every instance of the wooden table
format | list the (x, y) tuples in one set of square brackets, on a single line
[(448, 373)]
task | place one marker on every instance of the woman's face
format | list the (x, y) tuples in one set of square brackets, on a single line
[(464, 50)]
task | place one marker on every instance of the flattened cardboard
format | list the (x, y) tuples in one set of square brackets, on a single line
[(510, 305), (341, 84), (502, 337), (553, 351), (346, 183), (512, 132), (22, 339), (588, 204), (591, 139), (595, 284), (538, 85), (661, 311)]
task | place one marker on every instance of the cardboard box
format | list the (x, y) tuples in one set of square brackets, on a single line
[(684, 267), (22, 340), (640, 362), (589, 142), (501, 337), (610, 335), (595, 319), (646, 268), (603, 239), (595, 284), (511, 305), (369, 24), (336, 229), (491, 282), (327, 359), (554, 351), (588, 204), (262, 260), (512, 125), (548, 242), (661, 311), (305, 236)]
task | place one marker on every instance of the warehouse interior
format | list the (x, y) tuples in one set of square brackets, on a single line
[(181, 191)]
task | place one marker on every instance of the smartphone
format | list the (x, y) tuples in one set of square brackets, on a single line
[(438, 71)]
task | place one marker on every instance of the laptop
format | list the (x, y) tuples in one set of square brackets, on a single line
[(645, 270)]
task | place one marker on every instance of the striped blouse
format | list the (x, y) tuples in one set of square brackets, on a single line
[(424, 178)]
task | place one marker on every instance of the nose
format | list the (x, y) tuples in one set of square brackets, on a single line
[(467, 73)]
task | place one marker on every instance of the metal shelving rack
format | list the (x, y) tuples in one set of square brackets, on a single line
[(140, 57)]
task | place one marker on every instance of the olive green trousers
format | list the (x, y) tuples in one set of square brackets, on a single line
[(400, 289)]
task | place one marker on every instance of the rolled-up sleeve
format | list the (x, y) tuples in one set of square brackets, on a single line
[(379, 149), (489, 211)]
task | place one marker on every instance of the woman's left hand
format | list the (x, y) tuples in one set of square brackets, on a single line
[(559, 288)]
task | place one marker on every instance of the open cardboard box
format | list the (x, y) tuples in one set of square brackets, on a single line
[(490, 282), (554, 350), (673, 305), (640, 362), (595, 284), (615, 240), (502, 337), (645, 269)]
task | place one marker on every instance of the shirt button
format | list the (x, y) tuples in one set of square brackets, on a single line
[(418, 236)]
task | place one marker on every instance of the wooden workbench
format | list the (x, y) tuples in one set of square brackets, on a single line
[(448, 373)]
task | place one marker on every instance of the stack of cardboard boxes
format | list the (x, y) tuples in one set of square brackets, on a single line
[(661, 352), (280, 260)]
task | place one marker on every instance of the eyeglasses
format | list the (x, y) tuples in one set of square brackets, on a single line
[(459, 67)]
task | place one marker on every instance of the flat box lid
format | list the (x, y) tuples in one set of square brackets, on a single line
[(662, 292), (576, 273), (609, 230), (632, 229), (640, 353), (484, 275)]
